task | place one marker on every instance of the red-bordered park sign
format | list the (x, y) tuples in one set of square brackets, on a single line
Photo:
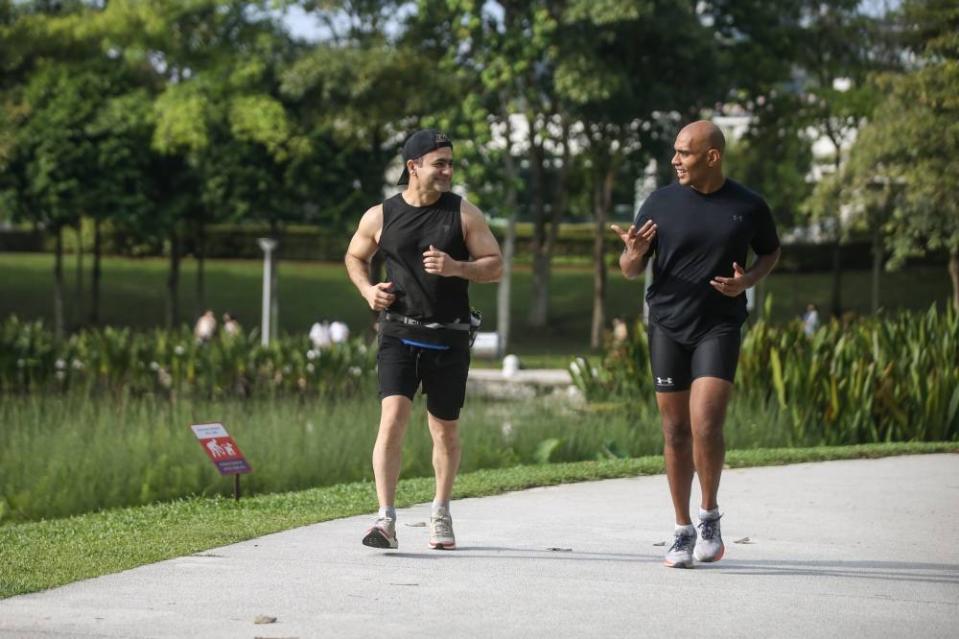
[(221, 449)]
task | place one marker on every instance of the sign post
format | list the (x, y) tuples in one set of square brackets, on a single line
[(223, 452)]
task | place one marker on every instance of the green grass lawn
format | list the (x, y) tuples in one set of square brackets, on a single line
[(39, 555), (134, 294)]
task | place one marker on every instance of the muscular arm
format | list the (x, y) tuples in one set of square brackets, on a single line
[(631, 264), (363, 246), (741, 280), (636, 244), (762, 266), (486, 262)]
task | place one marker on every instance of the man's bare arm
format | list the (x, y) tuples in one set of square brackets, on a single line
[(486, 261), (636, 243), (363, 247), (741, 280)]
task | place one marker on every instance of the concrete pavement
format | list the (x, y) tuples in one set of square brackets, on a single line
[(836, 549)]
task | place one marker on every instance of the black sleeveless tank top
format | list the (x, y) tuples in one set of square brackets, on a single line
[(408, 231)]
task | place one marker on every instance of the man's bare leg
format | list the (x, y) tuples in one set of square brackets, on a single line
[(388, 450), (708, 400), (677, 450), (446, 462), (446, 454)]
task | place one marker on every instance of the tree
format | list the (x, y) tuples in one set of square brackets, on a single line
[(913, 138), (218, 64), (799, 65), (612, 58)]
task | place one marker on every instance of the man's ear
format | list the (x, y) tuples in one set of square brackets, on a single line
[(713, 157)]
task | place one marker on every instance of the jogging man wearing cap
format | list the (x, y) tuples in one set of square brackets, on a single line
[(697, 232), (434, 243)]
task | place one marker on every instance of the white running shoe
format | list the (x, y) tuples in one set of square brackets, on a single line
[(680, 554), (710, 546), (382, 534), (441, 530)]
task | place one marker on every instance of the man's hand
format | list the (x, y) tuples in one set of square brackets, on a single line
[(436, 262), (732, 286), (378, 296), (637, 241)]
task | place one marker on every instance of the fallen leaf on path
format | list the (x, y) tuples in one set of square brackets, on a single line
[(660, 543), (744, 540), (264, 619), (555, 549)]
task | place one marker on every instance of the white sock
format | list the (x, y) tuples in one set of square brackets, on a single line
[(388, 511), (708, 514), (437, 505), (685, 528)]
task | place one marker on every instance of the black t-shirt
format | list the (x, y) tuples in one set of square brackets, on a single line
[(408, 231), (699, 236)]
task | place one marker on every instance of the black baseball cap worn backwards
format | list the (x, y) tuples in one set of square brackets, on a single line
[(418, 145)]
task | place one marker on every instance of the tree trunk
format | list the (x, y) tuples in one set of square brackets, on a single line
[(96, 274), (58, 286), (539, 306), (602, 199), (836, 296), (877, 259), (78, 292), (200, 269), (504, 289), (274, 289), (547, 226), (173, 283), (954, 276)]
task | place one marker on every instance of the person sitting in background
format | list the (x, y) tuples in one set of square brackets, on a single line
[(231, 327), (339, 332), (205, 327), (620, 331), (810, 320), (320, 335)]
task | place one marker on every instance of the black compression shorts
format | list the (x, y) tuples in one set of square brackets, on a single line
[(401, 369), (676, 365)]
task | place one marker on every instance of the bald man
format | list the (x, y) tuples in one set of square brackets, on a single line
[(697, 231)]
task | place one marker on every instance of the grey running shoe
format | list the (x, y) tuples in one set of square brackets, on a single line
[(441, 531), (382, 534), (680, 554), (710, 546)]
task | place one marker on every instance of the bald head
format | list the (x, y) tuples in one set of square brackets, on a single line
[(699, 156), (705, 135)]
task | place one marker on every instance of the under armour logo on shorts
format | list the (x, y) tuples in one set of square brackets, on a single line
[(667, 381)]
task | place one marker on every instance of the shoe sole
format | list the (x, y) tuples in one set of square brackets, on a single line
[(442, 546), (706, 560), (375, 539), (678, 564)]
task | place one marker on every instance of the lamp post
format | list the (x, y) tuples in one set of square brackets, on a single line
[(267, 244)]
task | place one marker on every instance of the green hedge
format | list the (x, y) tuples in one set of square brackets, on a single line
[(327, 244), (878, 379)]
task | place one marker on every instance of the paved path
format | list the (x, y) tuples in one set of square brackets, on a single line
[(840, 549)]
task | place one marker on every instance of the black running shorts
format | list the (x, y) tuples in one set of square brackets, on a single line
[(402, 368), (676, 365)]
